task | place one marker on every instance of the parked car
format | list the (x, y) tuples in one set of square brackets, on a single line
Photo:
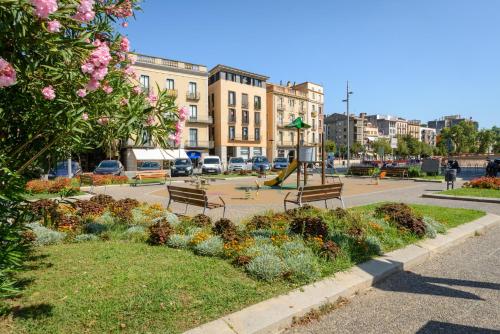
[(149, 165), (211, 164), (109, 167), (236, 163), (182, 167), (61, 170), (280, 163), (257, 162)]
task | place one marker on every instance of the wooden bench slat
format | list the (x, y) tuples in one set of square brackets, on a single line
[(187, 190), (318, 198), (323, 186), (188, 195), (321, 191)]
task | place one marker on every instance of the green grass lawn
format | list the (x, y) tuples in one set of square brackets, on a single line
[(47, 195), (475, 192), (432, 177), (131, 287)]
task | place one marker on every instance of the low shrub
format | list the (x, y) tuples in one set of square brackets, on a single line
[(94, 228), (302, 267), (46, 210), (122, 209), (37, 186), (259, 222), (309, 227), (45, 236), (139, 218), (226, 229), (60, 186), (178, 241), (261, 248), (403, 216), (242, 260), (293, 248), (68, 223), (329, 250), (266, 267), (202, 220), (159, 233), (100, 180), (298, 211), (86, 237), (415, 172), (213, 246), (373, 245), (106, 218), (484, 183), (136, 233), (89, 208), (104, 200), (339, 213)]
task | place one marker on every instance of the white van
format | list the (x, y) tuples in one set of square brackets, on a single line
[(211, 164)]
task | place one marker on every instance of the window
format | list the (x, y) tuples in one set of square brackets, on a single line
[(144, 82), (231, 133), (193, 137), (231, 98), (193, 112), (257, 118), (232, 115), (245, 117), (314, 124), (314, 108), (257, 152), (212, 96), (280, 119), (244, 100), (244, 131), (170, 84), (320, 109), (256, 102), (192, 88), (314, 137), (280, 137), (257, 133), (292, 137)]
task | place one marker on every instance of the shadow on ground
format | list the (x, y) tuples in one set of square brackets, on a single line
[(433, 327)]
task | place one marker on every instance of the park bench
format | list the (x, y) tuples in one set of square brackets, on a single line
[(196, 197), (360, 170), (323, 192), (150, 175), (88, 180), (401, 172)]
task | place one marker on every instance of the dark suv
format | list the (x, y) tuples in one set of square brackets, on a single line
[(182, 167)]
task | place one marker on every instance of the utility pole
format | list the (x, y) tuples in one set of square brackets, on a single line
[(347, 93)]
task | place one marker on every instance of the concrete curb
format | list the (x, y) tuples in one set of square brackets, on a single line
[(276, 314), (463, 198)]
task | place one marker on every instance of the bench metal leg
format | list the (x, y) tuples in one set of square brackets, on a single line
[(224, 212), (169, 201), (342, 201), (186, 210), (204, 208), (326, 204)]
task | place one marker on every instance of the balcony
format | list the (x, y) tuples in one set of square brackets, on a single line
[(245, 121), (200, 119), (171, 92), (244, 105), (192, 96), (281, 106), (231, 103), (232, 119), (280, 124), (243, 139), (314, 114), (199, 144), (286, 143)]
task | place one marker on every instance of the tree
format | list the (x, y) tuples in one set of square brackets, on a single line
[(402, 149), (330, 146), (485, 140), (356, 148), (381, 146), (462, 136), (496, 145)]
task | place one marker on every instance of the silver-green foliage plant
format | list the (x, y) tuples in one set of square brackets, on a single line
[(139, 218), (171, 218), (86, 237), (261, 249), (106, 219), (94, 228), (267, 267), (302, 267), (45, 236), (136, 233), (433, 227), (293, 248), (374, 245), (178, 241), (213, 246)]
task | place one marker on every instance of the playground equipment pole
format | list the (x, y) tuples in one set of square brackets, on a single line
[(297, 157)]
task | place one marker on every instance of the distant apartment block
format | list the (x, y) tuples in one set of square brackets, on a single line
[(336, 128), (448, 122), (413, 128), (237, 103), (387, 125), (428, 135), (188, 83)]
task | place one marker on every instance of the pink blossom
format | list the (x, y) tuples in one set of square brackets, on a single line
[(81, 92), (107, 89), (7, 73), (150, 120), (171, 136), (136, 89), (124, 101), (87, 68), (103, 120), (124, 9), (85, 11), (121, 56), (99, 73), (183, 112), (124, 24), (43, 8), (93, 84), (85, 116), (49, 93), (100, 56), (124, 44), (179, 126), (152, 98), (129, 71), (53, 26)]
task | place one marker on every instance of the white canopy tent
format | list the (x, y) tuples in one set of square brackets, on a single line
[(142, 154)]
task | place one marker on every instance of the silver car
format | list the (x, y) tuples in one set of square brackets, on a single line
[(236, 164)]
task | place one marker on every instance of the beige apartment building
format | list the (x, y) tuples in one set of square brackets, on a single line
[(414, 129), (284, 104), (401, 127), (237, 103), (189, 84)]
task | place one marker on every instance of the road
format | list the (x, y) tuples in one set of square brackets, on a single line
[(456, 292)]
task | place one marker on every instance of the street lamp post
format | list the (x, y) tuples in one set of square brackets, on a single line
[(347, 94)]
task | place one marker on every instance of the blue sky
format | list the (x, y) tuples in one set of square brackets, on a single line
[(419, 59)]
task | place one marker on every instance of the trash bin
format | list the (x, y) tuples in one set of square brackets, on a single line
[(450, 175)]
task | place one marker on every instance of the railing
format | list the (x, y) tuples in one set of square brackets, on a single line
[(280, 106), (232, 119), (200, 119), (286, 143), (231, 103), (170, 63), (257, 106), (193, 96), (243, 139), (257, 122), (244, 105), (199, 144), (244, 121)]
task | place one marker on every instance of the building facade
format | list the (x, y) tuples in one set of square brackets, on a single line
[(237, 104), (428, 135), (386, 124), (414, 128), (284, 104), (448, 122), (188, 83), (336, 127)]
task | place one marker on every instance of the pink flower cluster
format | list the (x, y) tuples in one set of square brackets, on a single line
[(125, 44), (7, 74), (103, 120), (97, 64), (150, 120), (179, 126), (43, 8), (53, 26), (49, 93), (123, 9), (152, 98), (85, 11)]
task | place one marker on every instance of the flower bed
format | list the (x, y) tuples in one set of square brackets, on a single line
[(484, 183), (61, 186), (101, 180)]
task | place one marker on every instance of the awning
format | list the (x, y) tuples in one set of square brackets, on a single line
[(193, 154), (158, 154)]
